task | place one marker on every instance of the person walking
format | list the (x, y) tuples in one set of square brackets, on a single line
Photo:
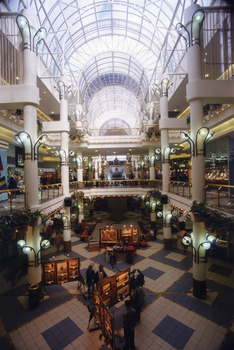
[(129, 322), (138, 300), (12, 185), (90, 279)]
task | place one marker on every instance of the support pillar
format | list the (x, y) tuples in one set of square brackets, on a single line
[(166, 227), (193, 19), (63, 88), (151, 163), (28, 25)]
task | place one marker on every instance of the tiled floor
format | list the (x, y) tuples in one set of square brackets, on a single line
[(171, 318)]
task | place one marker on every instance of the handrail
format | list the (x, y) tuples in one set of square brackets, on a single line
[(221, 198)]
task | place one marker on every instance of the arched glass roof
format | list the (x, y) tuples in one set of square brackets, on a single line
[(110, 49)]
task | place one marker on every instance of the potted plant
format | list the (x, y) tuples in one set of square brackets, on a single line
[(39, 126), (149, 135), (157, 134), (142, 240), (76, 137), (22, 217), (77, 195), (8, 226), (35, 217), (199, 211)]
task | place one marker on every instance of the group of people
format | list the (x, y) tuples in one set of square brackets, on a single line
[(131, 315), (93, 277)]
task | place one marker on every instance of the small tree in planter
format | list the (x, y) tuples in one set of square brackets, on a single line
[(157, 134), (76, 137)]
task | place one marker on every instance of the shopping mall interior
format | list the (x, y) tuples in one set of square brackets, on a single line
[(116, 150)]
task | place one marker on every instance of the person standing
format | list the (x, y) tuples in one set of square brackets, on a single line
[(58, 240), (100, 274), (138, 300), (83, 225), (90, 279), (129, 322)]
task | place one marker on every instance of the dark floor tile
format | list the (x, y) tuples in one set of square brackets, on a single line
[(171, 336), (4, 344), (221, 270), (222, 309), (161, 256), (61, 340), (229, 342), (153, 273)]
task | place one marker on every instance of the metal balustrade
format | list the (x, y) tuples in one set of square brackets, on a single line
[(216, 195)]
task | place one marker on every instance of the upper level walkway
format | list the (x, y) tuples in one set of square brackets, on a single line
[(180, 194)]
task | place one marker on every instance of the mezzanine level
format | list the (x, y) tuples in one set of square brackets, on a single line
[(180, 194)]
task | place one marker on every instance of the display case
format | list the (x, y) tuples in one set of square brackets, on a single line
[(49, 272), (61, 271), (108, 235), (129, 235), (115, 288), (73, 269)]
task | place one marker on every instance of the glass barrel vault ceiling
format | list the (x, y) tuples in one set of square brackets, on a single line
[(112, 50)]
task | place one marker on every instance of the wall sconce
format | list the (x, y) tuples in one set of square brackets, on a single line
[(65, 222), (203, 131), (25, 140), (186, 240), (153, 207), (41, 139), (63, 157), (44, 244), (163, 87), (27, 30), (63, 89), (21, 244), (165, 154), (159, 214), (212, 239), (193, 37), (206, 245), (196, 25), (167, 220), (202, 136), (185, 136), (76, 160), (183, 32)]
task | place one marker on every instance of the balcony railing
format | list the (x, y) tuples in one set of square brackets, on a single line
[(216, 195)]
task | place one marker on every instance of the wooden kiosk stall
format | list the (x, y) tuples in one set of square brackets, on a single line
[(60, 271), (125, 233)]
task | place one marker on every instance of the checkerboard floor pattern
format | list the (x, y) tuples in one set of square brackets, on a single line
[(171, 317)]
